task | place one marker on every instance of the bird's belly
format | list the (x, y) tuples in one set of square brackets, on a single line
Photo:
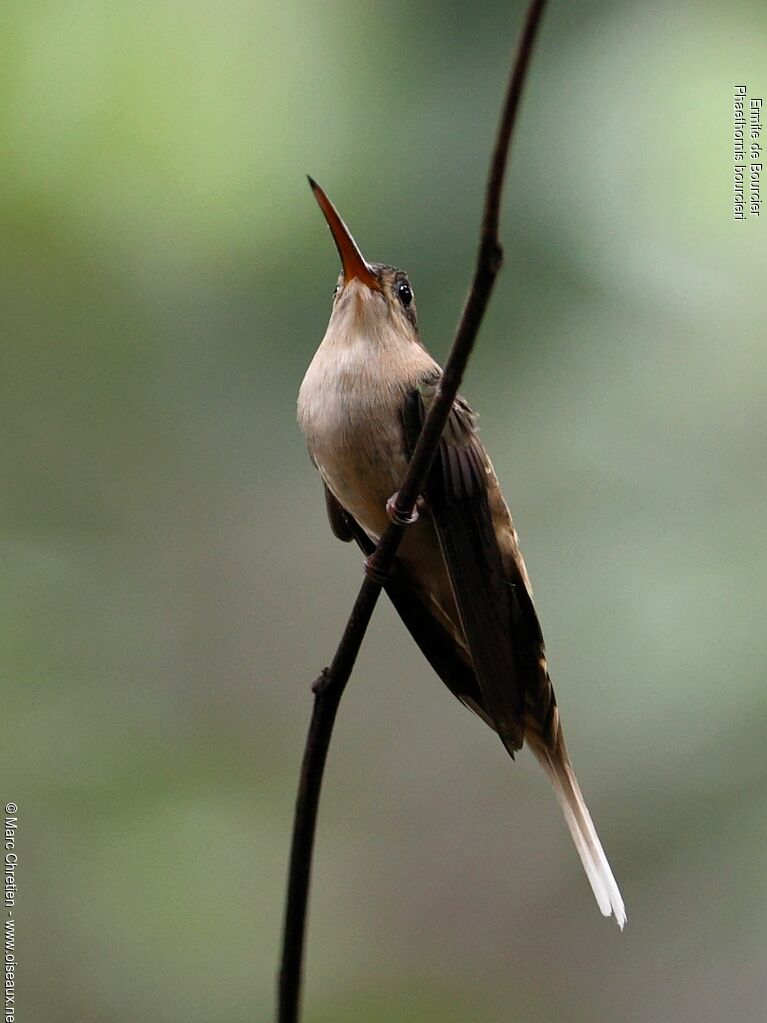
[(359, 448), (363, 476), (362, 483)]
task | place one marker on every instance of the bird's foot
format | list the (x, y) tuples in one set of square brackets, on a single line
[(373, 572), (396, 515)]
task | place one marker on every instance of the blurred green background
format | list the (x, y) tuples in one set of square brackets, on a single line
[(170, 586)]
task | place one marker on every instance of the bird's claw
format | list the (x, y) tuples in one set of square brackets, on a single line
[(396, 515), (373, 572)]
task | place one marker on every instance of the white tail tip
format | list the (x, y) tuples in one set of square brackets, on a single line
[(562, 777)]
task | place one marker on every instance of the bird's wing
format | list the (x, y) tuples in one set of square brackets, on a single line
[(342, 524), (436, 643), (492, 616)]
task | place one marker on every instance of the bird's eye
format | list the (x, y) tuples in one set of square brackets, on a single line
[(336, 290), (404, 293)]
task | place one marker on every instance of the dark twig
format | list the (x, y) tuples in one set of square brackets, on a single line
[(329, 687)]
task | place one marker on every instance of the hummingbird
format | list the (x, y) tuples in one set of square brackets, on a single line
[(459, 581)]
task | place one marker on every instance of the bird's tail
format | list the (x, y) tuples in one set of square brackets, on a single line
[(556, 764)]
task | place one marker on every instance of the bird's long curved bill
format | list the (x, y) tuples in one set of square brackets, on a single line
[(352, 260)]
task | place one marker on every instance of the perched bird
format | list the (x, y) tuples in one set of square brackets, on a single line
[(459, 584)]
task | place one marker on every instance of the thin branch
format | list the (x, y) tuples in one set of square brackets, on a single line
[(329, 687)]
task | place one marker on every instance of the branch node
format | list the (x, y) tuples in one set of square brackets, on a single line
[(494, 257), (322, 682)]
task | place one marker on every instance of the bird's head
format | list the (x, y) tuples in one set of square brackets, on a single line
[(369, 298)]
